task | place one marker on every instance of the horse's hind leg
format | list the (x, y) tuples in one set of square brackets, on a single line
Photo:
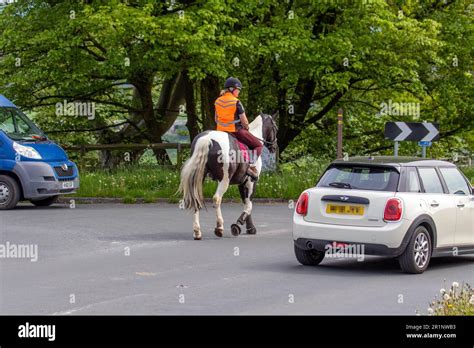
[(251, 229), (222, 187), (196, 227)]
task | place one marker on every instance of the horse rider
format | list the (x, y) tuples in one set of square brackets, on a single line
[(231, 118)]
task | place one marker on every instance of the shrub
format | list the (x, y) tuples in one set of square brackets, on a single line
[(457, 300)]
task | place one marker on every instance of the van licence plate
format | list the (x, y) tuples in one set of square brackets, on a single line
[(344, 209), (68, 184)]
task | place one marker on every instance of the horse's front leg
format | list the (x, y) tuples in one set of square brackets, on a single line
[(246, 190), (222, 187)]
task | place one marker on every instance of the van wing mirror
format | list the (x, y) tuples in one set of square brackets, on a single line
[(39, 137)]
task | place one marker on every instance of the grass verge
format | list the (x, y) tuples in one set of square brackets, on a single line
[(150, 183), (153, 183)]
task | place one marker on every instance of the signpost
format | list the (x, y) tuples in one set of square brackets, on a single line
[(424, 133), (339, 133), (424, 145)]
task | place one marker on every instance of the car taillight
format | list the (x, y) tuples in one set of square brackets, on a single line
[(393, 210), (302, 205)]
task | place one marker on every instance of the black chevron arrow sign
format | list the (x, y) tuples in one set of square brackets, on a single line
[(412, 131)]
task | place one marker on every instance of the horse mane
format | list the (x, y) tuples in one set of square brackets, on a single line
[(255, 127)]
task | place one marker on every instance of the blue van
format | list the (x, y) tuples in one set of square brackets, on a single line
[(31, 166)]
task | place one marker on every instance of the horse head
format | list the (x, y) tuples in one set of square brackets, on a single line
[(270, 131)]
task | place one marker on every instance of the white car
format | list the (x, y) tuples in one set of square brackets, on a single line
[(408, 208)]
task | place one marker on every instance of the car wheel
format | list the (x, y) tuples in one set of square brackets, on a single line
[(417, 255), (309, 257), (46, 202), (9, 192)]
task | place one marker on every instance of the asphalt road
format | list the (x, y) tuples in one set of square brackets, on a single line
[(142, 259)]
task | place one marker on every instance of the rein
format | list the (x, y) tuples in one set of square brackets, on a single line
[(275, 129), (267, 142)]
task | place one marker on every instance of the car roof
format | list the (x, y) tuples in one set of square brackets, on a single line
[(5, 103), (400, 161)]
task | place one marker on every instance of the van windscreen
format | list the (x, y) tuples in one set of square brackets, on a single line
[(17, 126), (360, 177)]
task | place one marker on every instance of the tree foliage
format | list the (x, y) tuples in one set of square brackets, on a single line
[(140, 61)]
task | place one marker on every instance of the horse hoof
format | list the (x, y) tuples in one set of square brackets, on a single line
[(219, 232), (251, 230), (197, 238), (235, 229)]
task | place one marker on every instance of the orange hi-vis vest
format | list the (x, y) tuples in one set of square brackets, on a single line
[(226, 106)]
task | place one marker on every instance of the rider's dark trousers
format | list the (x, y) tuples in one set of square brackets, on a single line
[(244, 136)]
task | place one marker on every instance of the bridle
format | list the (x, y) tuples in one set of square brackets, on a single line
[(275, 131)]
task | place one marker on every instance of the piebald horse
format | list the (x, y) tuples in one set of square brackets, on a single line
[(218, 155)]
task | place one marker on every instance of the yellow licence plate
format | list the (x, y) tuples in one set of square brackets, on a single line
[(344, 209)]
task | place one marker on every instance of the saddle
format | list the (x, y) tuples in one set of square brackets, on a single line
[(243, 148), (244, 156)]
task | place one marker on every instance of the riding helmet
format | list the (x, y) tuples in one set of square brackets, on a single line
[(233, 82)]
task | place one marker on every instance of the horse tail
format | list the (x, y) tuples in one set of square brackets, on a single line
[(192, 175)]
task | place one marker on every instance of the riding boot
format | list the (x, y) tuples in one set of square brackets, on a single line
[(252, 171)]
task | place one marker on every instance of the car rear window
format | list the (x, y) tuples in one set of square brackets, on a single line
[(413, 185), (430, 180), (360, 177)]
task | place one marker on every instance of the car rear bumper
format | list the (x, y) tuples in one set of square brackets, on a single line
[(358, 248), (377, 240)]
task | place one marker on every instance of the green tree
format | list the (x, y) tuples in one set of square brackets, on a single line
[(92, 51), (140, 61)]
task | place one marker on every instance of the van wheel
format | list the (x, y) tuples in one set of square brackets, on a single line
[(309, 257), (45, 202), (9, 192), (417, 255)]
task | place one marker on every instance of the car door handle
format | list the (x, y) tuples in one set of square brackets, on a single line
[(461, 205), (434, 204)]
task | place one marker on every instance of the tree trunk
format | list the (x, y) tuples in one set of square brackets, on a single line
[(151, 123), (171, 98), (108, 160), (167, 110), (283, 120), (130, 133), (209, 93), (154, 125), (190, 107), (254, 92), (295, 122)]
